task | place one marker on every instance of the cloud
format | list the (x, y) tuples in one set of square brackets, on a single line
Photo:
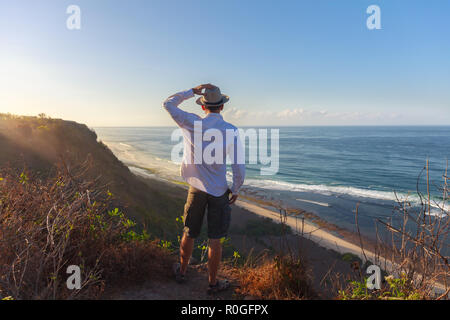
[(301, 116), (235, 113), (289, 113)]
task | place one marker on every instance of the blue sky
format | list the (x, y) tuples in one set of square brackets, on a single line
[(281, 62)]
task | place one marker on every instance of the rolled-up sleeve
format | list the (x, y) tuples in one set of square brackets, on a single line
[(237, 163), (238, 177)]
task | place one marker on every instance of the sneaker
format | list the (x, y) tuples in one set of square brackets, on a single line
[(177, 272), (220, 285)]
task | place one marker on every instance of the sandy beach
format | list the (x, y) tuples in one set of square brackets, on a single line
[(303, 227), (322, 244), (322, 249), (308, 230)]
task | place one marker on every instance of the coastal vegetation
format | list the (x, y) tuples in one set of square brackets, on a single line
[(48, 224), (65, 199), (415, 250)]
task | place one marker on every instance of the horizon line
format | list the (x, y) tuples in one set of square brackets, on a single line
[(291, 126)]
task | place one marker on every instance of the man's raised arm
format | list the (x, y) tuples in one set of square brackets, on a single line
[(183, 118), (172, 103)]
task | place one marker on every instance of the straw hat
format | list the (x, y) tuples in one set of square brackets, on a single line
[(212, 98)]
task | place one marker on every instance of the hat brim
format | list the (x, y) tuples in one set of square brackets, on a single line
[(201, 101)]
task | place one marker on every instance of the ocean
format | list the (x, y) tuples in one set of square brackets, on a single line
[(327, 171)]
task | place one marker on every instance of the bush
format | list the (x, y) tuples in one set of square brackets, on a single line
[(264, 227), (416, 248), (393, 289), (48, 224)]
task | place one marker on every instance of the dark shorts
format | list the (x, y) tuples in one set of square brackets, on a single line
[(219, 214)]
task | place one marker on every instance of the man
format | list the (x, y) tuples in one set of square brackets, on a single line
[(208, 187)]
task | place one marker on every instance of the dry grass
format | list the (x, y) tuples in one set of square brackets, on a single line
[(279, 278), (286, 276), (47, 224), (414, 251)]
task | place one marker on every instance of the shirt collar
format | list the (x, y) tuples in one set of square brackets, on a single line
[(212, 114)]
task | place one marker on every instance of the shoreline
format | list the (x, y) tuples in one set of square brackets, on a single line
[(309, 230), (327, 242), (319, 231)]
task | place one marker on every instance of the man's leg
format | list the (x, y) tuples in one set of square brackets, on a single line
[(214, 257), (186, 248), (194, 210), (219, 215)]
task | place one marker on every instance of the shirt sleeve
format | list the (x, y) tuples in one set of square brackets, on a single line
[(237, 157), (182, 118)]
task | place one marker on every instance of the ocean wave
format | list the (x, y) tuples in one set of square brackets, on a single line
[(341, 190), (166, 169), (320, 188), (125, 145), (322, 204)]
